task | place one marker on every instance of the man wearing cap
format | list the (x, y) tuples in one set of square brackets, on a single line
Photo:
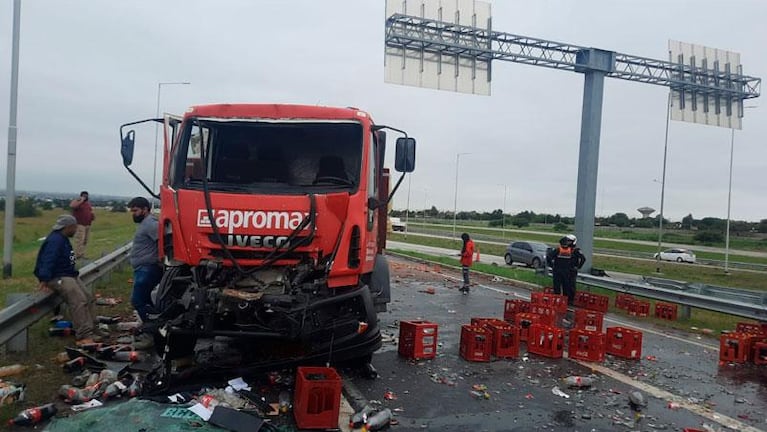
[(83, 213), (55, 269)]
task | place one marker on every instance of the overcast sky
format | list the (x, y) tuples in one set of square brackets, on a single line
[(88, 66)]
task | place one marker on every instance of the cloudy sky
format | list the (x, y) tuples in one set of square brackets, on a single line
[(88, 66)]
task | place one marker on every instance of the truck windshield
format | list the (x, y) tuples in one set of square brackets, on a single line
[(245, 156)]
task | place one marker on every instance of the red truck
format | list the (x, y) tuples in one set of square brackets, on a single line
[(272, 230)]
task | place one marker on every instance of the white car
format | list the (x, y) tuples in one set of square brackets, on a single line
[(397, 224), (677, 254)]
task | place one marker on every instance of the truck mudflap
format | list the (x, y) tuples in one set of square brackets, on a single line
[(380, 285)]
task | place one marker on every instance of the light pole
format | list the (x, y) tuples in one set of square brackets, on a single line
[(729, 200), (663, 186), (455, 198), (503, 212), (10, 183), (156, 126), (407, 210)]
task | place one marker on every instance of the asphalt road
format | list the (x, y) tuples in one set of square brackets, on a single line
[(436, 394)]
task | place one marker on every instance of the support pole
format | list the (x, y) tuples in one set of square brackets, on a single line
[(10, 183)]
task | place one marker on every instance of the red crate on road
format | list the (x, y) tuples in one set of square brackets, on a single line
[(505, 339), (734, 347), (555, 301), (548, 290), (639, 308), (760, 353), (513, 307), (318, 398), (586, 345), (483, 321), (581, 299), (667, 311), (692, 430), (546, 340), (622, 300), (624, 342), (548, 314), (418, 339), (589, 320), (476, 343), (524, 321), (751, 328), (597, 302)]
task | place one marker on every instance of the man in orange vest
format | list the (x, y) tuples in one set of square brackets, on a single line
[(467, 255), (565, 261)]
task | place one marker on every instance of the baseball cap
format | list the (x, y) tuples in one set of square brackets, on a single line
[(64, 221)]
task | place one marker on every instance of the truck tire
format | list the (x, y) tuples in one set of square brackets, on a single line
[(380, 285)]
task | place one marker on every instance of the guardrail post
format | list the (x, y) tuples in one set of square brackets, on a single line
[(19, 342), (685, 312)]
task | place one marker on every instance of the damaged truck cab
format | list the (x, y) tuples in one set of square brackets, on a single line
[(272, 230)]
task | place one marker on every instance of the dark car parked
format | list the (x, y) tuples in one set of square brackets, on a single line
[(532, 254)]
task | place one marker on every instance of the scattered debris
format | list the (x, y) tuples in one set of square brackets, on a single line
[(557, 392)]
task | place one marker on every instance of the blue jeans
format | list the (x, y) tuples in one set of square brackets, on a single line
[(145, 278)]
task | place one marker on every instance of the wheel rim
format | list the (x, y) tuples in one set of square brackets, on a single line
[(507, 258)]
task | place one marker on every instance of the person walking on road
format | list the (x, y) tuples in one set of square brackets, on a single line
[(565, 261), (83, 213), (467, 255), (144, 258), (55, 269)]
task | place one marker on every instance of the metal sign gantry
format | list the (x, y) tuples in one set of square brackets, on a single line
[(418, 37)]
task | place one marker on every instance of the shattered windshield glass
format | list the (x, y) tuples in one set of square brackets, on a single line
[(245, 156)]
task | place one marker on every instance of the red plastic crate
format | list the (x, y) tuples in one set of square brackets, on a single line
[(751, 328), (318, 398), (548, 290), (692, 430), (597, 302), (523, 321), (581, 299), (476, 343), (546, 340), (760, 353), (418, 339), (589, 320), (505, 340), (639, 308), (667, 311), (479, 321), (624, 342), (734, 347), (622, 300), (586, 345), (548, 314), (513, 307), (554, 301)]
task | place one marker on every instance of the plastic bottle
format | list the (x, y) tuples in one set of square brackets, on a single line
[(33, 416), (93, 379), (74, 365), (74, 394), (113, 390), (108, 376), (128, 356), (63, 324), (578, 381), (81, 379), (107, 319), (209, 401), (11, 392), (61, 331), (136, 387), (12, 370), (283, 400), (360, 417), (379, 420)]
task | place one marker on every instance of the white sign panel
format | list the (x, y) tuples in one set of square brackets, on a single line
[(697, 107), (418, 68)]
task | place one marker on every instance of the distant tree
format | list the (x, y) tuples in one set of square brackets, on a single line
[(520, 222), (762, 227), (712, 224), (561, 227), (620, 219), (646, 223), (25, 207), (433, 212), (708, 237), (687, 222), (46, 205), (119, 207)]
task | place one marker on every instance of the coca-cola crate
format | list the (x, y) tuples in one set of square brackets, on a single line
[(548, 290), (505, 339), (418, 339), (667, 311), (481, 321), (476, 344), (760, 353), (547, 341), (622, 300), (734, 347), (554, 301), (597, 302), (751, 328), (513, 307), (589, 320), (624, 342), (581, 299), (523, 321), (586, 345), (639, 308), (548, 314), (318, 398)]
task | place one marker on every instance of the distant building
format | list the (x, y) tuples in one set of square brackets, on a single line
[(646, 211)]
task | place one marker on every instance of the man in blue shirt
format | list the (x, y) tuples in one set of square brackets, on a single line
[(55, 269)]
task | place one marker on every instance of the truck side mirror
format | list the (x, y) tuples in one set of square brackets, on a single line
[(126, 149), (404, 155)]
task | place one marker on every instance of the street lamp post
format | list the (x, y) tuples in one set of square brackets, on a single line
[(10, 183), (503, 212), (407, 210), (156, 126), (663, 186), (455, 198)]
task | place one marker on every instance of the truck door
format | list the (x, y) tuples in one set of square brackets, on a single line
[(171, 129)]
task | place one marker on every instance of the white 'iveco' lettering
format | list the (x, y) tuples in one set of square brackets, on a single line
[(229, 220)]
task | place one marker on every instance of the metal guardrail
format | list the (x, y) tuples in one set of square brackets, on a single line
[(19, 316), (731, 301)]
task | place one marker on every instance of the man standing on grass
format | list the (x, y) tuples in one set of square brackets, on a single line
[(83, 213), (55, 269)]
